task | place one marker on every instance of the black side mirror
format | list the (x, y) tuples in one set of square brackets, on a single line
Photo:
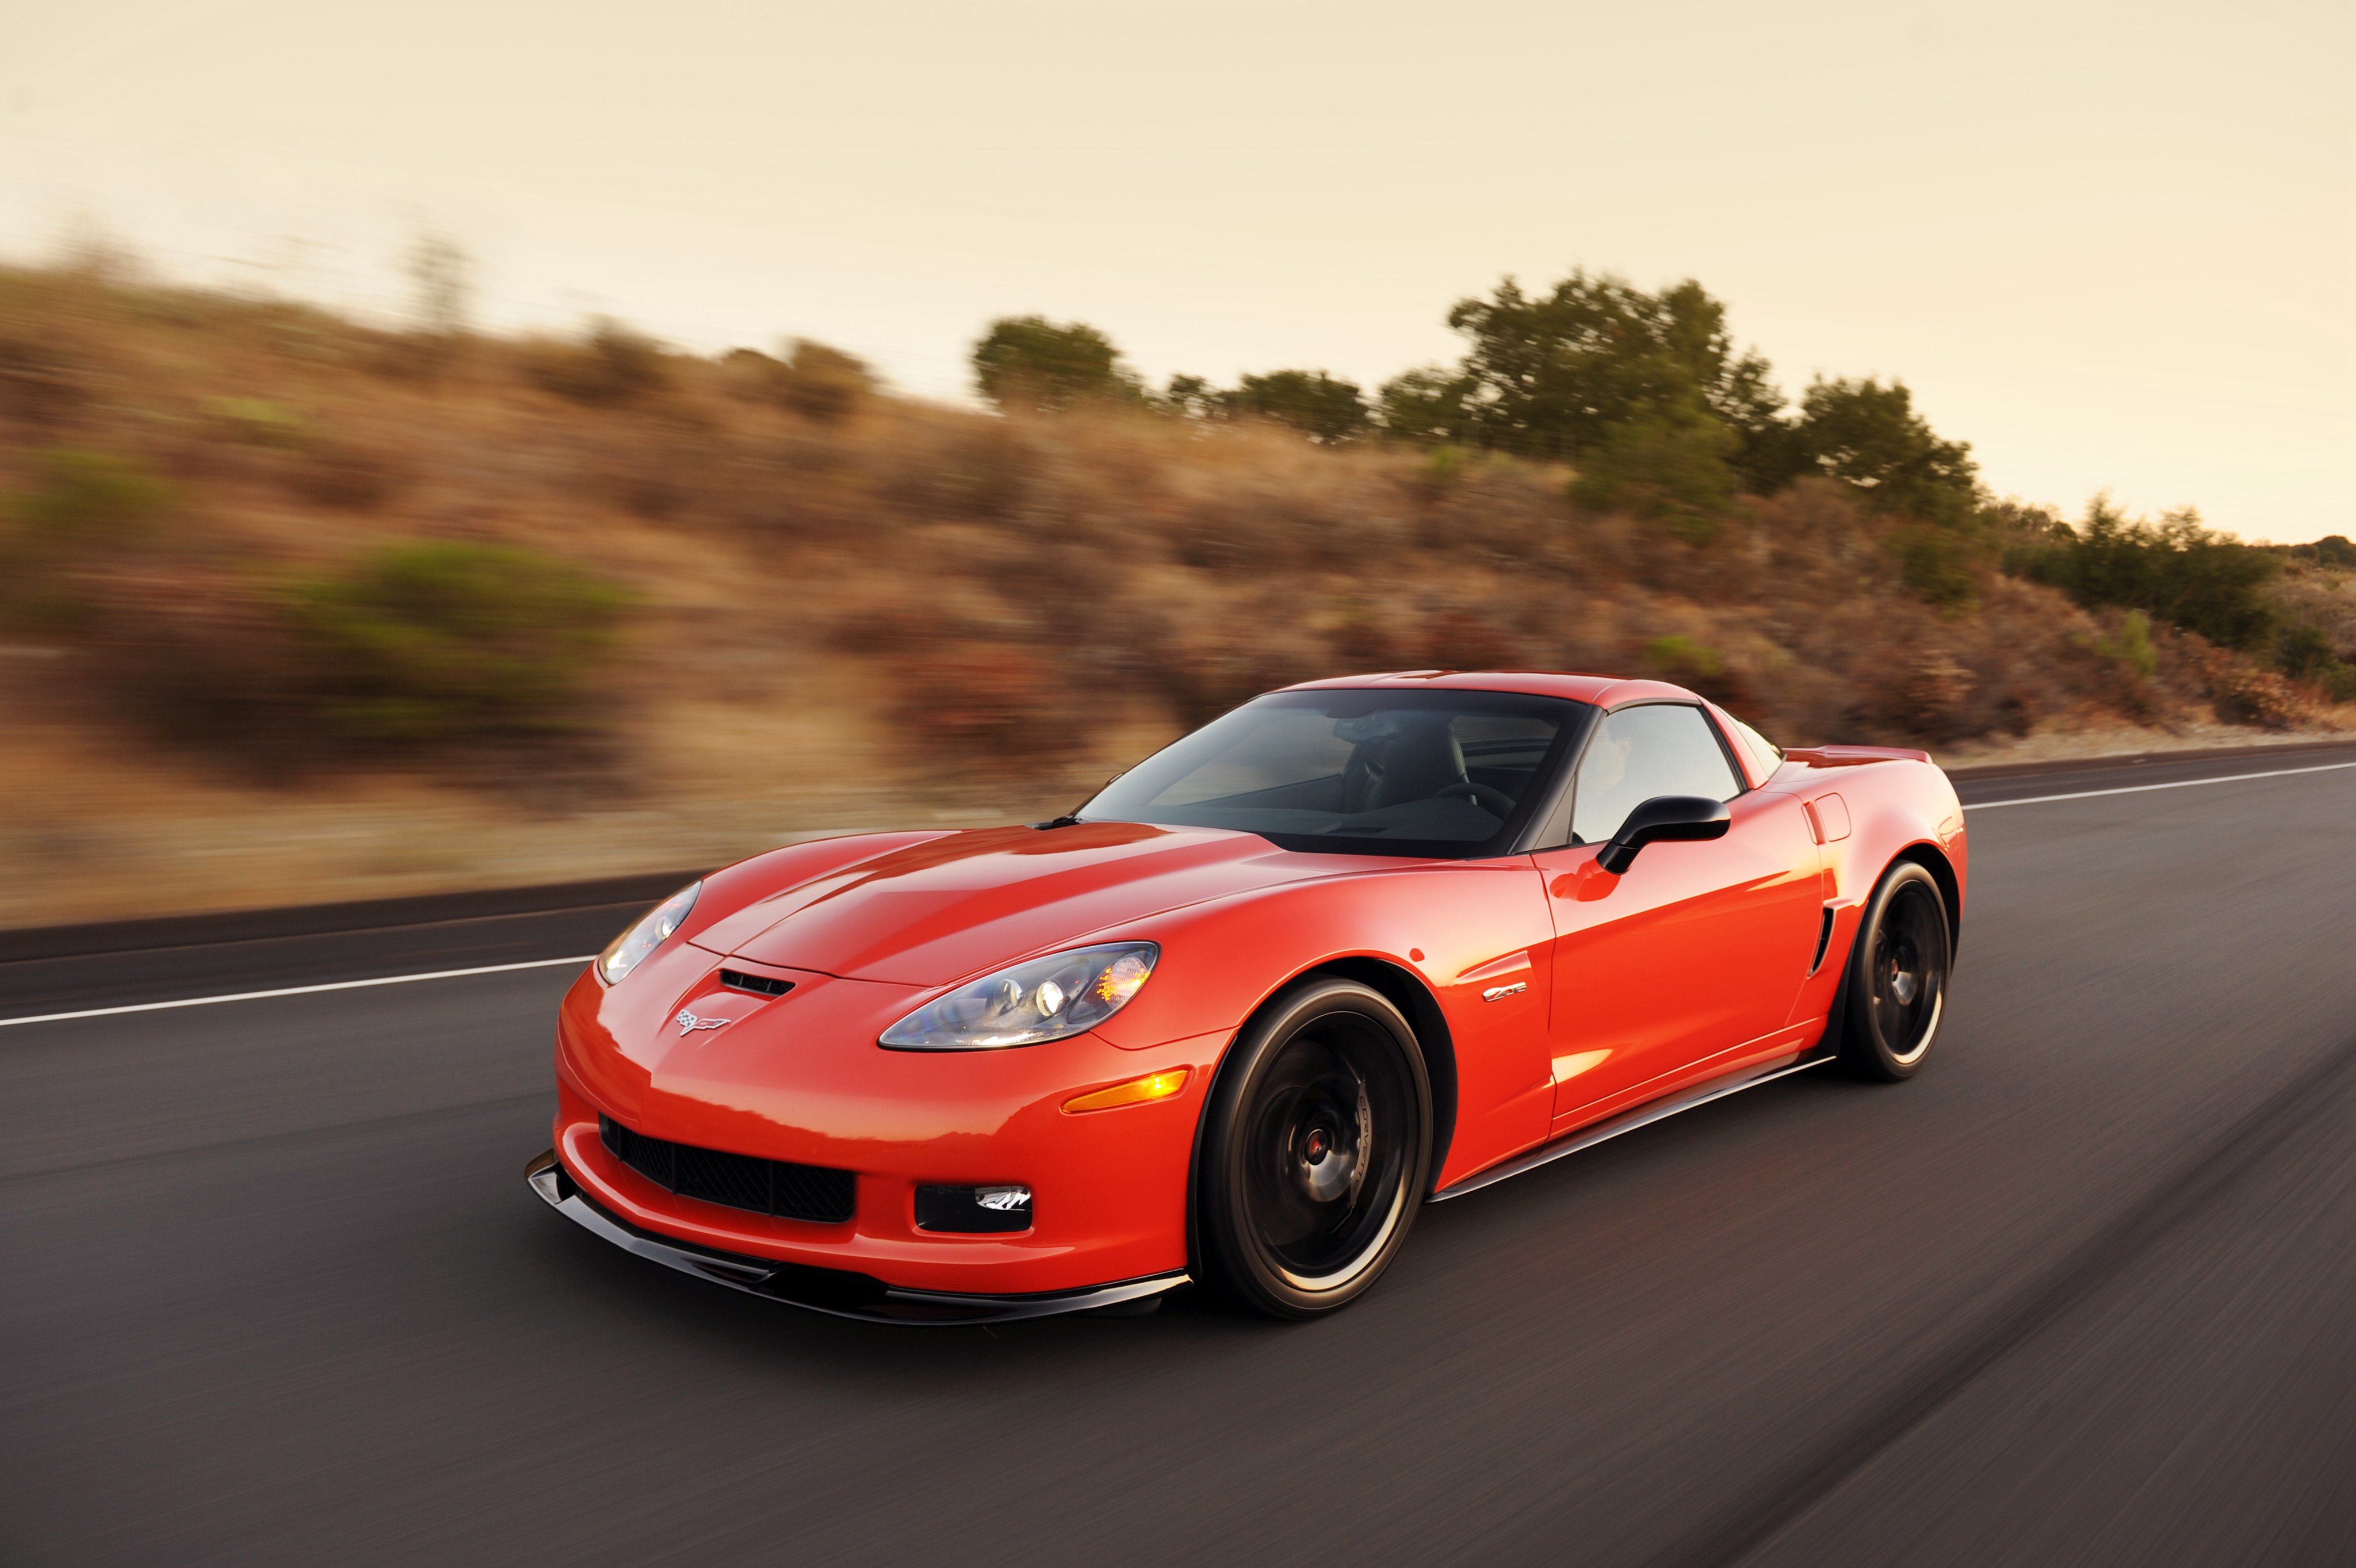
[(1664, 818)]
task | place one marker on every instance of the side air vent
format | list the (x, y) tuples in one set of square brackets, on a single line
[(741, 1181), (1824, 940), (738, 980)]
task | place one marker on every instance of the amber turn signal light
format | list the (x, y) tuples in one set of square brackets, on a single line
[(1136, 1091)]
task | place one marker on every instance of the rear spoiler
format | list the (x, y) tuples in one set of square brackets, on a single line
[(1854, 756)]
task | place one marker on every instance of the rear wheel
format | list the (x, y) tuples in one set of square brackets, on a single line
[(1897, 982), (1316, 1150)]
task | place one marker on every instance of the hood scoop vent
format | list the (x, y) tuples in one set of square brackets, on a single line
[(759, 984)]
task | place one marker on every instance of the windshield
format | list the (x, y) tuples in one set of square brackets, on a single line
[(1381, 772)]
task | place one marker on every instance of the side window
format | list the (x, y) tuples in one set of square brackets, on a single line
[(1765, 755), (1662, 748)]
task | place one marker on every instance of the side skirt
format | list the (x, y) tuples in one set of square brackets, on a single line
[(1629, 1120)]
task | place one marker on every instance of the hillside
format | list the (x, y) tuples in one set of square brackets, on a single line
[(294, 608)]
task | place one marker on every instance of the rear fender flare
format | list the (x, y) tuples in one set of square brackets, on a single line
[(1928, 856)]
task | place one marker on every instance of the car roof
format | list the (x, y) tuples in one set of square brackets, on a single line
[(1602, 691)]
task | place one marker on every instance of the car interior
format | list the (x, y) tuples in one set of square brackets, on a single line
[(1427, 774)]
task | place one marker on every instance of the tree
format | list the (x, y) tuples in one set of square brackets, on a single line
[(2179, 570), (1031, 362), (1191, 397), (1550, 376), (2331, 549), (1669, 463), (1426, 404), (1320, 406), (1869, 436)]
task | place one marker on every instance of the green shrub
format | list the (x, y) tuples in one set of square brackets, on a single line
[(257, 421), (1322, 407), (89, 497), (2130, 647), (1443, 468), (2331, 549), (87, 506), (1936, 564), (2176, 569), (1031, 362), (1689, 662), (2304, 653), (1676, 658), (1669, 465), (444, 642)]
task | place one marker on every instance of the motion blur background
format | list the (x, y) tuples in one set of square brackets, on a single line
[(455, 446), (461, 446)]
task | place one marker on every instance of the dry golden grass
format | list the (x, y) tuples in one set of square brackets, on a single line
[(860, 610)]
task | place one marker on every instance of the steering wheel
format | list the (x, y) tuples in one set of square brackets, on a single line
[(1496, 802)]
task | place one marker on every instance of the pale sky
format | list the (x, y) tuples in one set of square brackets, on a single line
[(2109, 244)]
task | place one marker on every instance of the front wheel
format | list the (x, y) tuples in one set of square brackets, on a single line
[(1897, 982), (1316, 1150)]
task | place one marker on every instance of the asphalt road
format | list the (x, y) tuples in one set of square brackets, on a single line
[(2084, 1292)]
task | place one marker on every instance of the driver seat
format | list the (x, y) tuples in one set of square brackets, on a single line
[(1416, 760)]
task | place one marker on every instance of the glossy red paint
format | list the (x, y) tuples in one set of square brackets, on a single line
[(1697, 952), (1548, 995)]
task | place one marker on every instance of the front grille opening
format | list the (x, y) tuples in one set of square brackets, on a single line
[(1824, 940), (775, 1187), (738, 980)]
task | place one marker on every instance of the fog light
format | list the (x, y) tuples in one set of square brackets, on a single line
[(1136, 1091), (974, 1210)]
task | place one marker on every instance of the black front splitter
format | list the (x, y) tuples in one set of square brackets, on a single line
[(839, 1293)]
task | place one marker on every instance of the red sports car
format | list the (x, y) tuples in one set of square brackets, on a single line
[(1358, 946)]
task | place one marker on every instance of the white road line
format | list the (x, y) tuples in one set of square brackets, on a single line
[(2139, 789), (294, 990), (553, 962)]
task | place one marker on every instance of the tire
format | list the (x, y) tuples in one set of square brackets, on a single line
[(1897, 982), (1316, 1150)]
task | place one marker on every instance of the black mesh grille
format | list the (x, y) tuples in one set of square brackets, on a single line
[(740, 1181)]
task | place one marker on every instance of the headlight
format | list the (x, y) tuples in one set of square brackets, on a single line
[(1046, 999), (642, 938)]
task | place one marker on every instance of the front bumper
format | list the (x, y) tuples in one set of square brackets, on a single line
[(800, 1079), (836, 1292)]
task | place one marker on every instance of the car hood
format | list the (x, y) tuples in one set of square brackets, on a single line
[(937, 911)]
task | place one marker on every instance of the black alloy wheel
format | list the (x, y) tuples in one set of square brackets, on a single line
[(1316, 1150), (1897, 982)]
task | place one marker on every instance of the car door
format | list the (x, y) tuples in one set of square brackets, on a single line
[(1698, 948)]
